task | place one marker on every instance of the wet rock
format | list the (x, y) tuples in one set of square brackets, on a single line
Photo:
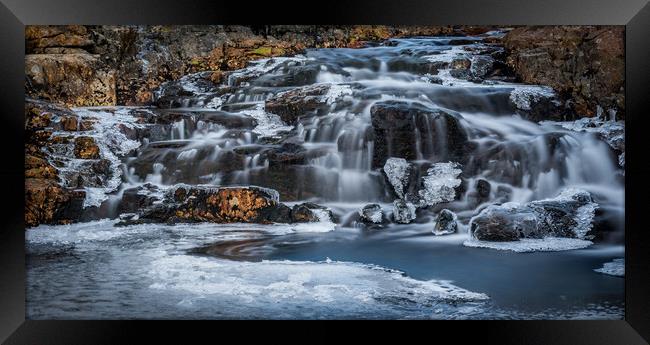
[(446, 223), (138, 198), (481, 193), (86, 148), (186, 91), (371, 214), (504, 223), (403, 211), (396, 122), (48, 203), (310, 212), (203, 203), (414, 65), (36, 167), (583, 63), (301, 102), (461, 64), (482, 66), (570, 214)]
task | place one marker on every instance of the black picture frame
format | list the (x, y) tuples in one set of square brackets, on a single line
[(634, 14)]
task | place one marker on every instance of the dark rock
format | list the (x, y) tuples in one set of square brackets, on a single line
[(371, 214), (568, 215), (294, 104), (309, 212), (395, 123), (138, 198), (445, 223), (583, 63)]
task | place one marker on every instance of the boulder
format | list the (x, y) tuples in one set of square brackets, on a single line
[(446, 223), (310, 212), (207, 203), (570, 214), (371, 214)]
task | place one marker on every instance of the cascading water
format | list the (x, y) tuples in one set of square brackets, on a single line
[(321, 127)]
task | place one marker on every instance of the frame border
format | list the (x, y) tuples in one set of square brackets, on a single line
[(634, 14)]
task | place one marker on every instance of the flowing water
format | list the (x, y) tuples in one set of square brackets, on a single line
[(225, 136)]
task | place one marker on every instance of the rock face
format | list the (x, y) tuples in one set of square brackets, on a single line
[(122, 65), (570, 214), (407, 130), (47, 202), (583, 63), (71, 79)]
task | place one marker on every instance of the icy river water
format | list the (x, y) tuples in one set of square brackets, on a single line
[(94, 270)]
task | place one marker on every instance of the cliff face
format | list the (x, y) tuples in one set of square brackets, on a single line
[(122, 65), (585, 64)]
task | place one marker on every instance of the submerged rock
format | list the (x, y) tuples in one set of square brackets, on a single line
[(403, 211), (569, 215), (446, 223)]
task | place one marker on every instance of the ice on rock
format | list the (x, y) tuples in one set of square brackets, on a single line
[(371, 213), (440, 183), (523, 97), (403, 211), (614, 268), (446, 223), (268, 125), (397, 170), (113, 144)]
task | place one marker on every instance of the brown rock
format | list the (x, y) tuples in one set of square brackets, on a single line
[(69, 79), (586, 64), (86, 148), (36, 167), (48, 203)]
